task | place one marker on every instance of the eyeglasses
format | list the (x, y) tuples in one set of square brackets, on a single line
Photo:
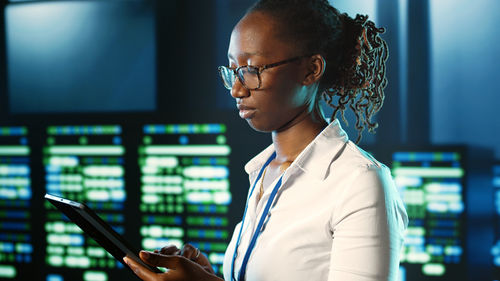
[(248, 75)]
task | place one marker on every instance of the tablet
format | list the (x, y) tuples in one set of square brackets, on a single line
[(98, 229)]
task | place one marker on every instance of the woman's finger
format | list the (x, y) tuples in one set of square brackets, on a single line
[(159, 260), (190, 252), (139, 270), (169, 250)]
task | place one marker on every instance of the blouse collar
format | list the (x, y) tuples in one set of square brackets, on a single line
[(316, 158)]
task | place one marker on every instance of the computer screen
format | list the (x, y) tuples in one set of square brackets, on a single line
[(432, 186), (157, 184), (16, 229), (80, 56), (83, 163), (185, 193)]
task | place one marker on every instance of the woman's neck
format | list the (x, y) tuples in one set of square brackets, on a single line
[(290, 141)]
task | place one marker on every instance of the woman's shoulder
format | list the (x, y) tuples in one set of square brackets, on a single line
[(354, 159), (368, 182)]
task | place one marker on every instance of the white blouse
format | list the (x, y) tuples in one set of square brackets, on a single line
[(336, 217)]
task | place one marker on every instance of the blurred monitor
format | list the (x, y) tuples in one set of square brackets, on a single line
[(184, 188), (80, 56), (432, 185), (168, 184), (16, 229), (84, 163)]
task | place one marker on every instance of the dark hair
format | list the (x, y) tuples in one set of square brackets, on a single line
[(354, 52)]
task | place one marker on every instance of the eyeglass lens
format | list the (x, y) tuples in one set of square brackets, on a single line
[(249, 77), (227, 76)]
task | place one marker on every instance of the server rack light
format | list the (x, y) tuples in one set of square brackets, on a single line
[(16, 246), (86, 164), (185, 188), (431, 184)]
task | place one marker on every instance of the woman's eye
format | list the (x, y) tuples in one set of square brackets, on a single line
[(252, 69)]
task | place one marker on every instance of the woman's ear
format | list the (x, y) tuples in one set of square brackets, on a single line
[(316, 67)]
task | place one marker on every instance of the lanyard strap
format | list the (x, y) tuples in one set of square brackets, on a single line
[(241, 275)]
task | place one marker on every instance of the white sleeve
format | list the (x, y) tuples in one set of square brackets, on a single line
[(368, 227)]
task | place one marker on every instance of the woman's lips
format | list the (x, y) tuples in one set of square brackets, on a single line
[(245, 111)]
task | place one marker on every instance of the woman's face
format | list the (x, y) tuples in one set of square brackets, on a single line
[(282, 97)]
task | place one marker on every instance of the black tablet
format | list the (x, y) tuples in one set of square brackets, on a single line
[(98, 229)]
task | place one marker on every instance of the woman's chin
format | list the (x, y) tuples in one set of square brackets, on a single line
[(257, 126)]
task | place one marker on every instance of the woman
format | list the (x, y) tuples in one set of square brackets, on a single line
[(319, 207)]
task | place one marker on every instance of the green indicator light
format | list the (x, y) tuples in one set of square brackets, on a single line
[(51, 130), (147, 140), (5, 131), (7, 271), (183, 129), (436, 172), (433, 269), (196, 128), (222, 128), (212, 247), (161, 208), (87, 150), (18, 150), (83, 140), (438, 156), (199, 150), (24, 131), (221, 139), (169, 129), (142, 150), (222, 161)]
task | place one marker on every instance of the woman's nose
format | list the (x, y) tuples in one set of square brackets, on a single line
[(238, 90)]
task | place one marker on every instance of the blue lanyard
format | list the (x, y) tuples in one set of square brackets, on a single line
[(241, 275)]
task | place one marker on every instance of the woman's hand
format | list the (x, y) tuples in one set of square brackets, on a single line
[(179, 268), (190, 252)]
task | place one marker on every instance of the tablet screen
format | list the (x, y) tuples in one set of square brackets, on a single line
[(98, 229)]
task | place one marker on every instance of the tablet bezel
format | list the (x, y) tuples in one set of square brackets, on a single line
[(98, 229)]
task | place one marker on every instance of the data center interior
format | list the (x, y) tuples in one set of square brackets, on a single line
[(118, 104)]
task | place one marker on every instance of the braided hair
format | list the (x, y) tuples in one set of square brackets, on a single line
[(355, 54)]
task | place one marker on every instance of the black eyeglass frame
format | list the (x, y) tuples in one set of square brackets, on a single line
[(259, 70)]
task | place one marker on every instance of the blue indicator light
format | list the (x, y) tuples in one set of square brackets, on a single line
[(54, 277), (183, 140)]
